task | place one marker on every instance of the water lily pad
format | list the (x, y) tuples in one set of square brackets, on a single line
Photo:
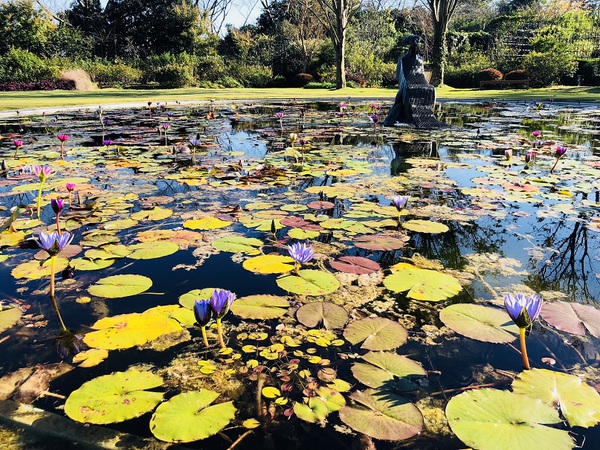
[(9, 316), (381, 368), (34, 270), (130, 330), (206, 223), (188, 299), (269, 264), (380, 242), (491, 419), (118, 286), (482, 323), (238, 244), (572, 317), (114, 398), (187, 417), (578, 402), (156, 213), (91, 357), (309, 282), (356, 265), (8, 239), (270, 392), (152, 250), (425, 226), (421, 284), (261, 307), (382, 415), (319, 204), (88, 264), (331, 315), (314, 410), (376, 333), (302, 234)]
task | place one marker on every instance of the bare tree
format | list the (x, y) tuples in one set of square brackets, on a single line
[(335, 16), (441, 13), (215, 11)]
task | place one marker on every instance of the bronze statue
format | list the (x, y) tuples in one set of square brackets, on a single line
[(416, 97)]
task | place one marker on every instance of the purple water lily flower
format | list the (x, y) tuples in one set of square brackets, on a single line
[(523, 310), (221, 301), (536, 133), (70, 187), (560, 151), (18, 143), (301, 252), (53, 242), (42, 172), (165, 126), (400, 201), (202, 312), (375, 119), (57, 205), (107, 142), (195, 142), (279, 114), (529, 157)]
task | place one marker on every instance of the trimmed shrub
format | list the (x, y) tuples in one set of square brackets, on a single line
[(173, 76), (114, 75), (489, 74), (302, 79), (518, 74), (549, 68), (319, 86), (66, 85)]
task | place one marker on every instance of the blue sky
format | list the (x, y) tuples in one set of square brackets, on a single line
[(239, 11)]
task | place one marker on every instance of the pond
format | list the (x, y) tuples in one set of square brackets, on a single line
[(388, 327)]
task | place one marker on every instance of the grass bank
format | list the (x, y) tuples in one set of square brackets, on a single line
[(57, 99)]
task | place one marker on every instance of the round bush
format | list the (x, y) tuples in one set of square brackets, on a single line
[(302, 79), (489, 74), (518, 74)]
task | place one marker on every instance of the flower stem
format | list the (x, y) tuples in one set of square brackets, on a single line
[(204, 338), (62, 150), (220, 332), (69, 199), (523, 348), (52, 297), (555, 163), (39, 199), (58, 223)]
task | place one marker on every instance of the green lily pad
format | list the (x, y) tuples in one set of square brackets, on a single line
[(267, 264), (376, 333), (302, 234), (114, 398), (385, 367), (309, 282), (382, 415), (130, 330), (9, 316), (188, 299), (425, 226), (207, 223), (331, 315), (578, 402), (187, 417), (491, 419), (482, 323), (261, 307), (88, 264), (421, 284), (332, 398), (156, 213), (314, 411), (118, 286), (152, 250), (238, 244)]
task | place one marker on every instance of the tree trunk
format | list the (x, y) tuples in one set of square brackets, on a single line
[(439, 54), (340, 63)]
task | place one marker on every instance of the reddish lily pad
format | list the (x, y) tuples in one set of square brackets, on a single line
[(573, 318), (356, 265), (321, 205), (380, 242)]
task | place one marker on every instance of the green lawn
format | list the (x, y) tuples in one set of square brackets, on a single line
[(55, 99)]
